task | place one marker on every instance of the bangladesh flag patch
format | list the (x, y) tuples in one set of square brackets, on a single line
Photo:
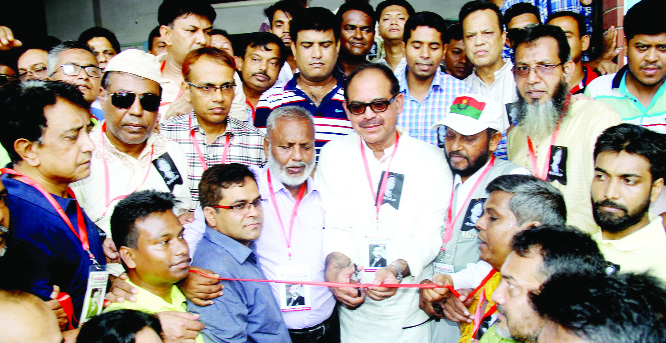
[(468, 106)]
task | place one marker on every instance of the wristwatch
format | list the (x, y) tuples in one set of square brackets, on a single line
[(397, 266)]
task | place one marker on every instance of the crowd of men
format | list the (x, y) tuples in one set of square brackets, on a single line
[(214, 188)]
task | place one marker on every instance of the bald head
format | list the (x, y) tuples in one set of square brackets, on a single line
[(26, 319)]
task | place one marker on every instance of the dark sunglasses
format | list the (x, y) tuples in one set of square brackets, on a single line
[(377, 106), (149, 101)]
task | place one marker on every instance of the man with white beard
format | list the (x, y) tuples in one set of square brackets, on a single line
[(548, 121), (290, 245)]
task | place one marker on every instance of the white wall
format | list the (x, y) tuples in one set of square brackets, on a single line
[(132, 20)]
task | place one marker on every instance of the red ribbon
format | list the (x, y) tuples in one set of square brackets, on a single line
[(66, 303)]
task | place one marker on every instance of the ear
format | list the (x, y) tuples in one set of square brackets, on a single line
[(337, 49), (103, 94), (185, 87), (209, 214), (494, 141), (503, 36), (239, 62), (266, 149), (585, 43), (344, 105), (127, 255), (293, 48), (568, 68), (444, 50), (528, 225), (398, 101), (165, 32), (657, 187), (27, 150)]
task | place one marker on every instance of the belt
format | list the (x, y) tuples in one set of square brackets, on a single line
[(312, 333)]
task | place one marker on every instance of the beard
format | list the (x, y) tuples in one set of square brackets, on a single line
[(503, 330), (538, 120), (613, 223), (472, 165), (281, 171)]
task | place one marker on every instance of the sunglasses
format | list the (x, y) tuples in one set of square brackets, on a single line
[(377, 106), (149, 101)]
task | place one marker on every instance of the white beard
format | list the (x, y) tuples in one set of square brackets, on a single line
[(538, 120), (284, 177)]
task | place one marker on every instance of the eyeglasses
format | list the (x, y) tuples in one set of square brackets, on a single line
[(377, 106), (210, 89), (242, 207), (36, 72), (542, 70), (149, 101), (73, 69)]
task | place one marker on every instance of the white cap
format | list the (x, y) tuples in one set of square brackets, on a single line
[(136, 62), (472, 113)]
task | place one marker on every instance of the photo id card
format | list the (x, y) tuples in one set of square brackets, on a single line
[(557, 169), (93, 303), (294, 297), (378, 249)]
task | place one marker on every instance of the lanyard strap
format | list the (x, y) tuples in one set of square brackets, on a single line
[(478, 318), (82, 234), (448, 231), (202, 160), (107, 183), (382, 188), (543, 173), (299, 197)]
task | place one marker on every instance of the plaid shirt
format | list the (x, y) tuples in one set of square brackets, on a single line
[(246, 146), (418, 118)]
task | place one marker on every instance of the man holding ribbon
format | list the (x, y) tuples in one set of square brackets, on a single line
[(129, 156), (408, 224), (474, 126), (550, 121)]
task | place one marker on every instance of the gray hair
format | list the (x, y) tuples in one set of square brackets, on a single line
[(533, 199), (287, 113), (52, 60)]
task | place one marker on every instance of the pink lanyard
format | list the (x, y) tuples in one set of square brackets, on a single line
[(299, 197), (107, 185), (542, 174), (379, 197), (448, 232), (202, 160), (82, 234)]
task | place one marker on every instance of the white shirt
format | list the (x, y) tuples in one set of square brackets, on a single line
[(502, 90)]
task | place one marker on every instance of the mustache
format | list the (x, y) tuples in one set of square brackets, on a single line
[(371, 122), (610, 204), (261, 73), (296, 164)]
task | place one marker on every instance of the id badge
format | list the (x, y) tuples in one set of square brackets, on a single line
[(442, 268), (95, 293), (294, 297), (378, 253)]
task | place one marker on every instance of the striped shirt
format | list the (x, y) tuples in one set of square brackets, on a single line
[(418, 118), (329, 117), (246, 146)]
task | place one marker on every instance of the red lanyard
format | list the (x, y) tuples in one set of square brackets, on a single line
[(202, 160), (301, 193), (448, 232), (477, 314), (542, 174), (247, 102), (107, 185), (82, 234), (379, 197)]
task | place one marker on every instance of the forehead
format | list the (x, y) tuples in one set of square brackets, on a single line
[(525, 271), (296, 129), (315, 36), (623, 163), (99, 42), (78, 56), (32, 56), (270, 50), (520, 21), (481, 19), (543, 49), (394, 9), (205, 66), (131, 82), (456, 44), (221, 39), (282, 16), (369, 84), (356, 17), (566, 23), (649, 39), (192, 19), (247, 191), (158, 224), (498, 201), (64, 115), (425, 34)]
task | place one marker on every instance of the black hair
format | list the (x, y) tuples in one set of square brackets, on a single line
[(221, 176), (22, 106), (580, 20), (520, 9), (314, 18), (262, 39), (357, 5), (402, 3), (171, 9), (135, 207), (564, 250), (120, 326), (622, 308), (425, 18), (533, 199), (220, 32), (532, 33), (479, 5), (97, 31), (637, 140), (153, 34), (454, 32), (293, 8), (388, 73), (645, 17)]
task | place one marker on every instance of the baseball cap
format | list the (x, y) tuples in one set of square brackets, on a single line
[(136, 62), (470, 114)]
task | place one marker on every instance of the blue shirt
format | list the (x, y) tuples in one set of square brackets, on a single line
[(42, 251), (247, 312)]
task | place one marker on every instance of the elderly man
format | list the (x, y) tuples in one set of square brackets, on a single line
[(555, 136), (32, 64), (629, 173), (44, 127), (292, 233), (318, 86), (515, 203), (128, 155), (357, 34), (404, 213), (391, 17), (472, 131)]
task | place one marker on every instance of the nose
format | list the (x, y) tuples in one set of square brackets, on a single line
[(263, 65), (202, 38), (424, 52), (612, 190), (297, 153), (456, 144), (181, 247), (101, 57), (136, 108), (285, 27), (86, 143), (652, 54), (358, 34), (498, 295), (532, 76), (218, 95), (254, 211), (316, 51), (463, 58), (482, 223)]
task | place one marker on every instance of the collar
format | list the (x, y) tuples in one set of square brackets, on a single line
[(292, 85), (148, 298), (233, 125), (437, 81), (237, 250), (619, 76), (645, 236), (31, 194), (279, 187), (110, 148)]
